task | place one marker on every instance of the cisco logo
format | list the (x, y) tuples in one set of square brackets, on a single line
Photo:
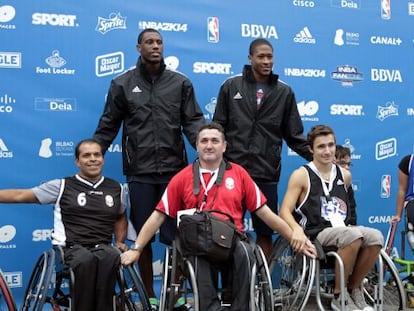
[(304, 3), (5, 103)]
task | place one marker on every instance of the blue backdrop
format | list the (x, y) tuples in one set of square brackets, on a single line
[(349, 62)]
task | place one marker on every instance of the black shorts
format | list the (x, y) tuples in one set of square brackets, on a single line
[(144, 197), (270, 192)]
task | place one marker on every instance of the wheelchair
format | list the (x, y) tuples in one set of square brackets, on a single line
[(7, 302), (52, 282), (179, 280), (298, 277)]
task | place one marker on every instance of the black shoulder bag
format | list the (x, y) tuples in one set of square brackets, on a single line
[(204, 234)]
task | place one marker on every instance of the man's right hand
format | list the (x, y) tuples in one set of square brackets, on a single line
[(130, 257)]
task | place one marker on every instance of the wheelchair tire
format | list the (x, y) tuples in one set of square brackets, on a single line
[(37, 288), (6, 299), (394, 295), (131, 293), (293, 275), (262, 283)]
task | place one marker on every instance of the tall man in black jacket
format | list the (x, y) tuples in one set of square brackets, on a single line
[(258, 111), (154, 105)]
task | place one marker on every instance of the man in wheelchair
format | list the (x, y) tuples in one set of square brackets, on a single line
[(225, 187), (316, 206), (88, 209)]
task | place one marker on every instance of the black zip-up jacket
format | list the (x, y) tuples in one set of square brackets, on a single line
[(254, 136), (153, 111)]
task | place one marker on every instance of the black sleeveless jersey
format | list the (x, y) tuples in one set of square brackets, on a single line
[(313, 212), (87, 211)]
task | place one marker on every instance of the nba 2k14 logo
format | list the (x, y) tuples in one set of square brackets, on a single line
[(213, 30)]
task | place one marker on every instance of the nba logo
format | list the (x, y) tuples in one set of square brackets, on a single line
[(213, 31), (385, 186), (386, 9)]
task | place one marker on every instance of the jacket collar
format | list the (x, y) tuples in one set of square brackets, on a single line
[(248, 73), (143, 70)]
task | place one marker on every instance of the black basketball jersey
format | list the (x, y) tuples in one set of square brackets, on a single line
[(313, 212), (87, 211)]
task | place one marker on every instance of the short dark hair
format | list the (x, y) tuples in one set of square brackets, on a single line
[(86, 141), (212, 126), (141, 34), (342, 152), (255, 43), (318, 130)]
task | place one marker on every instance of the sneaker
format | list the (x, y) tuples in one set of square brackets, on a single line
[(349, 304), (358, 297), (154, 303)]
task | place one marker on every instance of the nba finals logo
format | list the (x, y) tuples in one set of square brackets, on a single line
[(213, 30), (386, 9), (385, 186)]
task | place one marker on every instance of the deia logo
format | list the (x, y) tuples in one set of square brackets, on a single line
[(7, 14), (164, 26), (55, 104), (10, 60), (386, 75), (56, 63), (410, 8), (5, 103), (381, 40), (305, 72), (109, 64), (56, 20), (115, 21), (347, 4), (390, 109), (304, 36), (347, 75), (386, 149), (256, 31), (308, 109), (4, 151), (346, 38), (346, 110), (213, 29), (212, 68)]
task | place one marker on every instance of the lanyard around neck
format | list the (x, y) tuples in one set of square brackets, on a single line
[(332, 175)]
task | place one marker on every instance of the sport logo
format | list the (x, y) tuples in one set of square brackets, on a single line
[(115, 21), (385, 186), (213, 29)]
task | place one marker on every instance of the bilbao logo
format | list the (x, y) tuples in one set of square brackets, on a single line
[(55, 20), (7, 233)]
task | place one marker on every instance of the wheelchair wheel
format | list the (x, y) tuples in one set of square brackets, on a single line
[(130, 294), (391, 295), (293, 277), (6, 299), (262, 290), (37, 288)]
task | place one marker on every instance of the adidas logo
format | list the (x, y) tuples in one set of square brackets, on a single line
[(238, 96), (3, 146), (136, 90), (340, 182), (304, 36)]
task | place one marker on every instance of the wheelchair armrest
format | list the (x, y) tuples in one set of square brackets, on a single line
[(319, 250)]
